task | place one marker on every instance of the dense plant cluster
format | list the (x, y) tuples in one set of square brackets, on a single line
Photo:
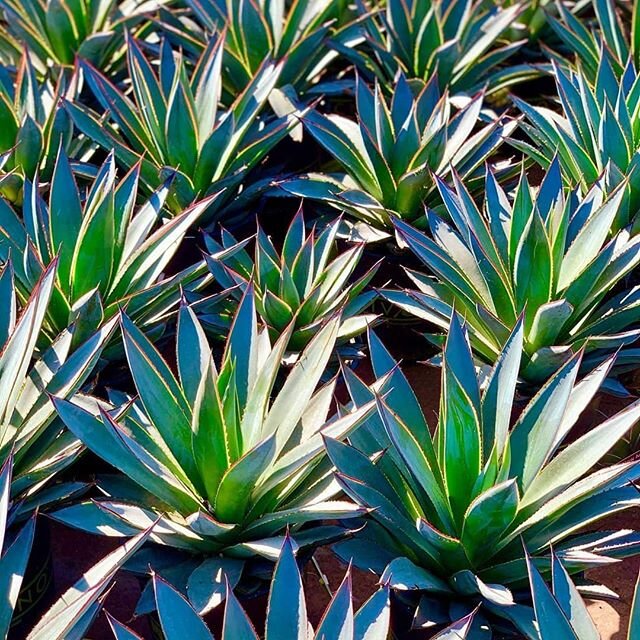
[(221, 222)]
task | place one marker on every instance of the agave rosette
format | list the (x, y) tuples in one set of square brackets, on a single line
[(58, 31), (172, 122), (225, 469), (597, 130), (110, 255), (466, 42), (31, 435), (389, 154), (307, 283), (32, 126), (295, 33), (609, 37), (547, 254), (450, 511)]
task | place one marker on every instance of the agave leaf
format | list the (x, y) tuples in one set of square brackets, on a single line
[(191, 345), (148, 93), (61, 618), (571, 603), (160, 393), (106, 443), (148, 261), (287, 612), (458, 630), (413, 455), (66, 214), (500, 392), (209, 583), (238, 481), (372, 620), (550, 617), (288, 407), (580, 456), (588, 242), (236, 622), (542, 416), (13, 564), (337, 621), (142, 223), (176, 615), (404, 575), (16, 354), (494, 510), (120, 632)]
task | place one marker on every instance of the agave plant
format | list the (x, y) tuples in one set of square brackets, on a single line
[(597, 131), (287, 611), (174, 121), (561, 612), (450, 511), (32, 127), (547, 255), (609, 39), (463, 41), (390, 153), (303, 284), (225, 470), (108, 256), (56, 31), (73, 613), (31, 435), (292, 32)]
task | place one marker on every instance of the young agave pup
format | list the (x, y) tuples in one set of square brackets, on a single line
[(549, 255), (225, 469), (449, 513), (302, 284)]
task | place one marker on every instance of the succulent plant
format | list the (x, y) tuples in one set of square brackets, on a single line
[(614, 36), (295, 33), (450, 512), (32, 127), (547, 255), (108, 256), (173, 121), (287, 611), (463, 41), (56, 31), (225, 469), (31, 435), (597, 131), (391, 152), (561, 612), (307, 283)]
